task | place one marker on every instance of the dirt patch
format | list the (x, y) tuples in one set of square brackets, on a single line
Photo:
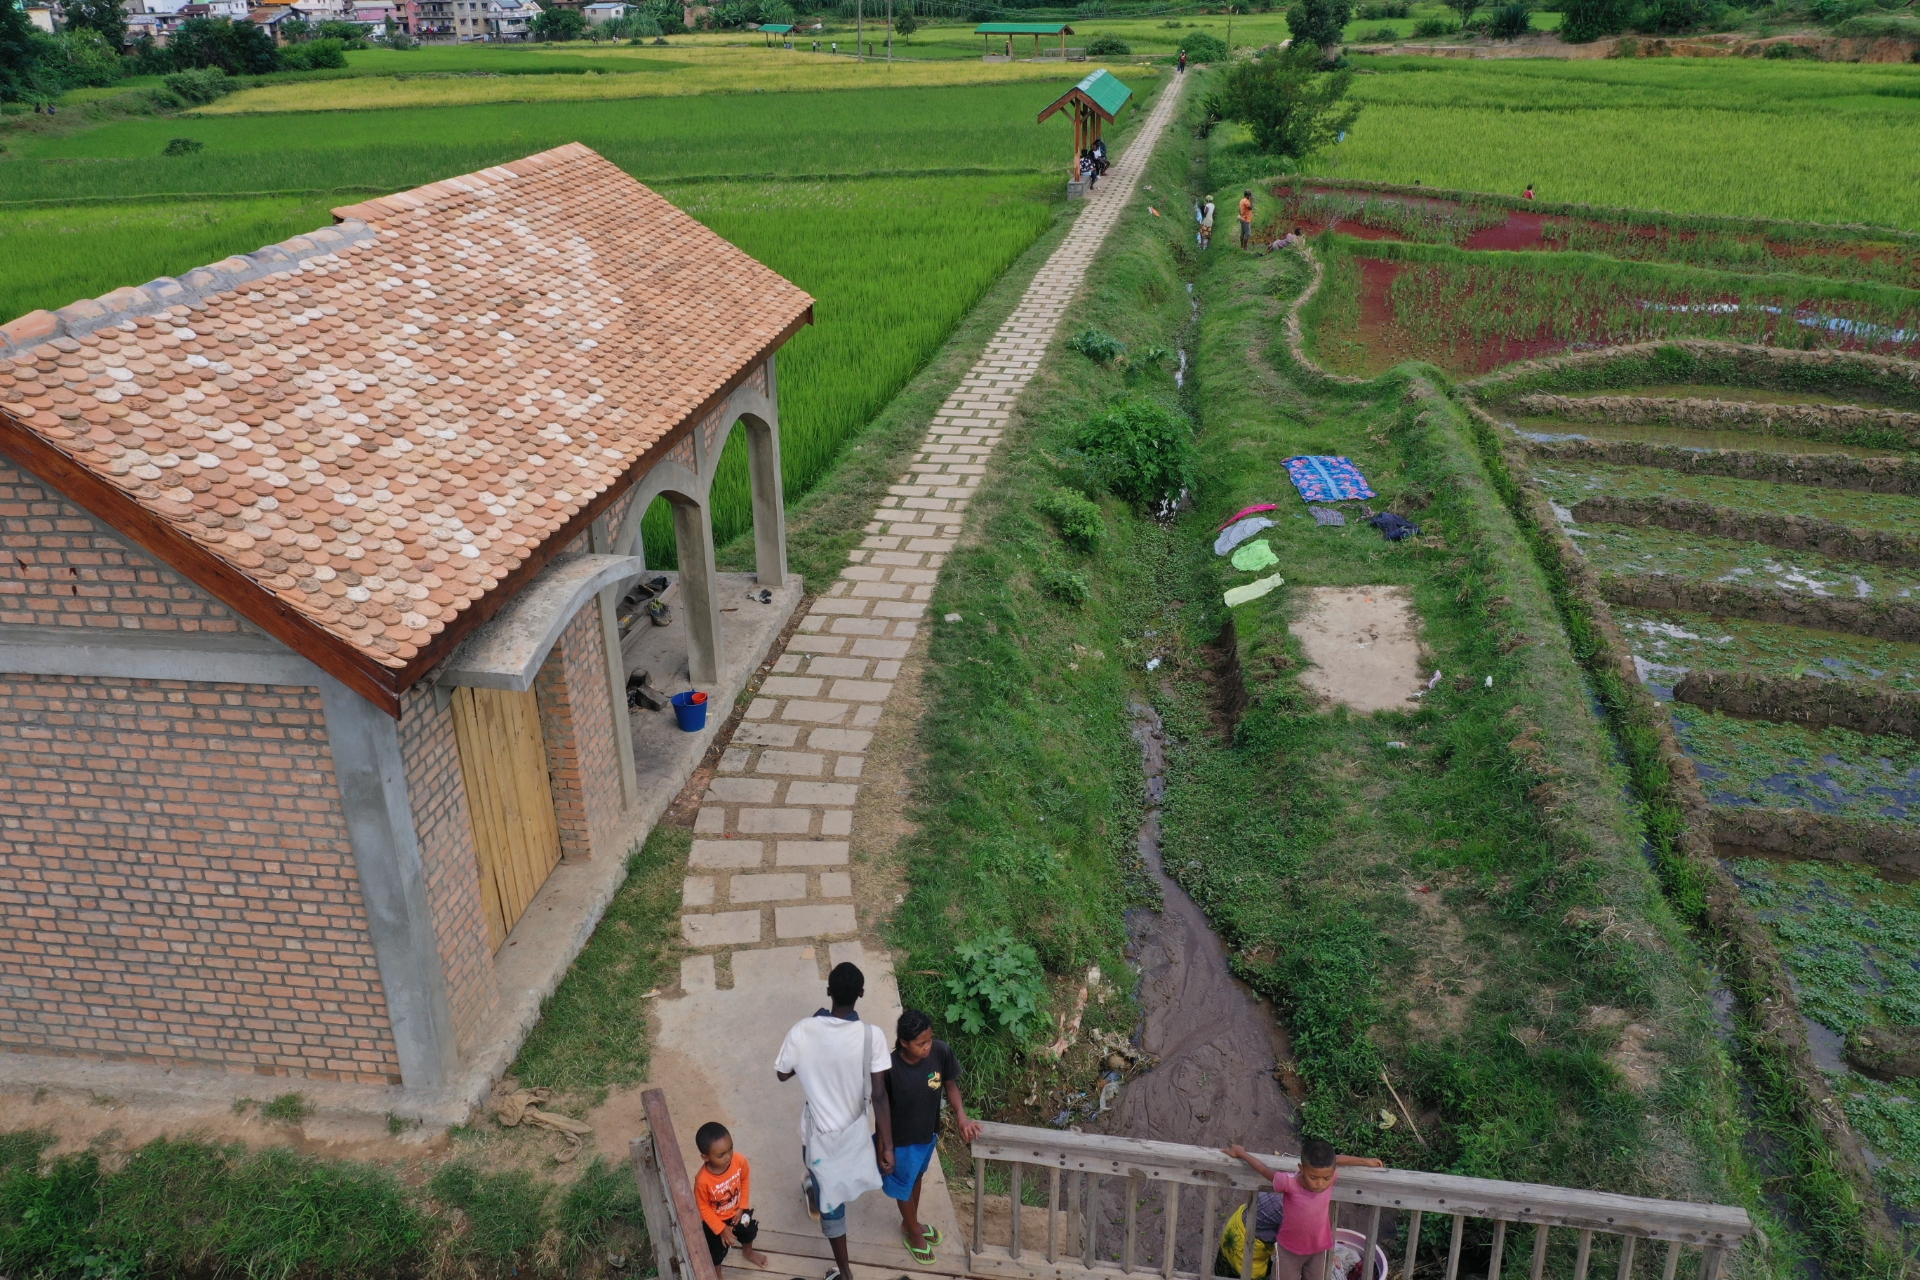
[(1847, 704), (1225, 681), (1364, 644), (1839, 422), (1796, 533), (1802, 833), (1822, 470), (1630, 1056)]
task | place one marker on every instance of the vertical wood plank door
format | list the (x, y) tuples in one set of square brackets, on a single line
[(503, 758)]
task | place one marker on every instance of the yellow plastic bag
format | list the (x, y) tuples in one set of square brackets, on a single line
[(1233, 1243)]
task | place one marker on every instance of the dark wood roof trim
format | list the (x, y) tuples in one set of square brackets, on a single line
[(160, 539)]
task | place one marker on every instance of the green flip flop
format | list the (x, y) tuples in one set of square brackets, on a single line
[(923, 1255)]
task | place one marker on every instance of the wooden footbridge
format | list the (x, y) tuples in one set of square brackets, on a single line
[(1104, 1208)]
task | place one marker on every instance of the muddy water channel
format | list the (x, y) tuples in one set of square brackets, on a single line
[(1213, 1044)]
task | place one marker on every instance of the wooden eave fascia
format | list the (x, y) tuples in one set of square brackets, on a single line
[(379, 684), (173, 548), (1075, 95)]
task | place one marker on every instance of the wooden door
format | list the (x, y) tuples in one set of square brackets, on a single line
[(504, 761)]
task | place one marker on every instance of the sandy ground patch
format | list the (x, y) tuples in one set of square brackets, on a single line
[(1364, 644)]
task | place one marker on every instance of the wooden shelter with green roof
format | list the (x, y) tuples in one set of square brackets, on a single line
[(987, 30), (1094, 102)]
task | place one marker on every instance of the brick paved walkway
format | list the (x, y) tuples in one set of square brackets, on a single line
[(769, 861)]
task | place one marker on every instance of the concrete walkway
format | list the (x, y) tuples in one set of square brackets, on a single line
[(770, 885)]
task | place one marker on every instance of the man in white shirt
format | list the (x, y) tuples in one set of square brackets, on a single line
[(842, 1063)]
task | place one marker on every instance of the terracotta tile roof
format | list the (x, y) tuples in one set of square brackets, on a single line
[(366, 432)]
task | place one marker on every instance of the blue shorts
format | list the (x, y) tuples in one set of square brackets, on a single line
[(908, 1164)]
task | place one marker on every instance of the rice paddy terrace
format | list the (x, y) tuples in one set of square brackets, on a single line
[(1714, 429)]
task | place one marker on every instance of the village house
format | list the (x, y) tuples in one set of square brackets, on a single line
[(494, 20), (316, 758)]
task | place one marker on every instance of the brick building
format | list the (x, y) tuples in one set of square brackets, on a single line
[(309, 666)]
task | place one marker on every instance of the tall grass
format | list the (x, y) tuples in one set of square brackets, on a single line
[(187, 1207)]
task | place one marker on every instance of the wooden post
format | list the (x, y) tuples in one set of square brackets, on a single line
[(1626, 1258), (1013, 1198), (1172, 1192), (1453, 1248), (979, 1202), (1499, 1247), (1413, 1245), (1539, 1252), (1053, 1215), (1584, 1254)]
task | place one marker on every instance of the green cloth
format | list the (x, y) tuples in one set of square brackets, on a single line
[(1252, 591), (1254, 555)]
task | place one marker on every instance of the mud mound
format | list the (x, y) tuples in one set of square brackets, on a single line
[(1802, 833), (1364, 645), (1847, 704), (1808, 421), (1881, 619), (1885, 1053), (1823, 470), (1796, 533)]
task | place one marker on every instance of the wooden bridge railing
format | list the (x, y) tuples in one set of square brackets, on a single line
[(1076, 1165), (666, 1194)]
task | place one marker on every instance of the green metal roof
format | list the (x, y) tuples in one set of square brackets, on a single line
[(1104, 91), (1107, 92), (1023, 29), (778, 28)]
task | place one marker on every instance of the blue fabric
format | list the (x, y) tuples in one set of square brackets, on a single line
[(908, 1164), (1325, 479)]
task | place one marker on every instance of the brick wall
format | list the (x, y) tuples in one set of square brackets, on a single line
[(439, 797), (61, 567), (596, 753), (178, 883)]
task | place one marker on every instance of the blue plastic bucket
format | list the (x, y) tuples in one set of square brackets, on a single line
[(690, 709)]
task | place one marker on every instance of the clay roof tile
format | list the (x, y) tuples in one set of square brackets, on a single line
[(394, 410)]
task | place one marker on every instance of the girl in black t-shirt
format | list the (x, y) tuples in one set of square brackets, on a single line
[(923, 1073)]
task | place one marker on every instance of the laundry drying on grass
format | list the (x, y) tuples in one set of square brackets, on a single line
[(1321, 478), (1238, 532), (1254, 556), (1252, 591)]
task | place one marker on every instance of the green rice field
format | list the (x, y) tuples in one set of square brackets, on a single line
[(1819, 141)]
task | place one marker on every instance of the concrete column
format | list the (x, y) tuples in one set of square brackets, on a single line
[(365, 744), (600, 539), (769, 501), (693, 533), (769, 504)]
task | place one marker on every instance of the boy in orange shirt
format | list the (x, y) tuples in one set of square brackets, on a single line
[(724, 1191)]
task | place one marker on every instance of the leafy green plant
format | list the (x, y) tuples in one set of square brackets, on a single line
[(182, 146), (1286, 97), (1427, 28), (288, 1108), (1319, 23), (1064, 585), (1108, 47), (1582, 21), (1203, 46), (1141, 451), (1097, 345), (1079, 521), (200, 86), (1510, 22), (999, 984), (326, 53)]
